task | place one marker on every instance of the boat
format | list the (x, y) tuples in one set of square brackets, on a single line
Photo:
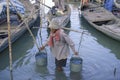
[(116, 9), (62, 18), (17, 28), (12, 5), (117, 3), (102, 20), (3, 15)]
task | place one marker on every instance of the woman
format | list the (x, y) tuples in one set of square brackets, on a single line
[(59, 43)]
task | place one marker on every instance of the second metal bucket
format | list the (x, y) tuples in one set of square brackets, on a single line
[(76, 64), (41, 59)]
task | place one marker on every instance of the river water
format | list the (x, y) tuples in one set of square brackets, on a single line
[(100, 54)]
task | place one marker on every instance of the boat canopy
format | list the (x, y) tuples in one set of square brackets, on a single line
[(108, 4)]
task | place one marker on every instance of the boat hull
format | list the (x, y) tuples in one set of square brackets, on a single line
[(104, 21), (117, 4), (15, 35), (62, 19), (20, 28)]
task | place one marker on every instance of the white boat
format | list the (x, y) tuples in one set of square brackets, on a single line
[(62, 18), (17, 29), (102, 20), (117, 3)]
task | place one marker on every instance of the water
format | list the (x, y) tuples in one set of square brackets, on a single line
[(41, 59), (100, 54), (75, 60)]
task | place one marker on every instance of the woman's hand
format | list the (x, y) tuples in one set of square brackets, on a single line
[(76, 53), (42, 48)]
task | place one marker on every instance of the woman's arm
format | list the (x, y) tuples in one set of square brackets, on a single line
[(44, 45), (69, 41)]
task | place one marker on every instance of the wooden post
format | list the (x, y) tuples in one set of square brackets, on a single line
[(9, 40)]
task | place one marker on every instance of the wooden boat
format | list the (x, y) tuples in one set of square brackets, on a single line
[(3, 8), (3, 15), (117, 3), (102, 20), (61, 18), (116, 12), (17, 29)]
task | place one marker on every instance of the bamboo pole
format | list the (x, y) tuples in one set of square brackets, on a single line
[(9, 40), (81, 37), (72, 30), (67, 29), (27, 18), (26, 23)]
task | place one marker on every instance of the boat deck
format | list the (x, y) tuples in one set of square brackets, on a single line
[(103, 20), (98, 14), (62, 19)]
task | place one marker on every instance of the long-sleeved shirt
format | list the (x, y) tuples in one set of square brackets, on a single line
[(61, 48)]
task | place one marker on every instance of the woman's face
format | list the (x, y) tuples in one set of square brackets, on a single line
[(53, 30)]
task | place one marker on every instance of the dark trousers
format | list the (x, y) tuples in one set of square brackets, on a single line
[(60, 63)]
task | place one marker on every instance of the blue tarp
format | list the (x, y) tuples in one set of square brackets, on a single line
[(19, 6), (109, 4)]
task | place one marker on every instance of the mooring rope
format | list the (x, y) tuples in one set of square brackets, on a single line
[(9, 40)]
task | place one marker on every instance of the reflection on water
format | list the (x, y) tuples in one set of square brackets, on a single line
[(102, 39), (18, 49), (100, 54), (75, 76), (60, 76)]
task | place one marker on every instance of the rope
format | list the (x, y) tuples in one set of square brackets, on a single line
[(40, 26), (80, 41), (41, 29), (34, 40), (9, 40)]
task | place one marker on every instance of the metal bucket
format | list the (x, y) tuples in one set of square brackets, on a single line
[(76, 64), (41, 59)]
